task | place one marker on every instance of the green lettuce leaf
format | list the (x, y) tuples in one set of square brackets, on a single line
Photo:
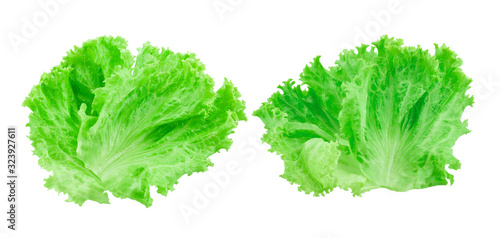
[(382, 117), (100, 124)]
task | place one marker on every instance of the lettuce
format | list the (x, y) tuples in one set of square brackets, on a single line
[(385, 116), (104, 120)]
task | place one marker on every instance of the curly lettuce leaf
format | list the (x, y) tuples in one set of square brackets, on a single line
[(55, 122), (384, 117), (303, 127), (138, 127)]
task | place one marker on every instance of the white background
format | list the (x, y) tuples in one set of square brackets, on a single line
[(258, 44)]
